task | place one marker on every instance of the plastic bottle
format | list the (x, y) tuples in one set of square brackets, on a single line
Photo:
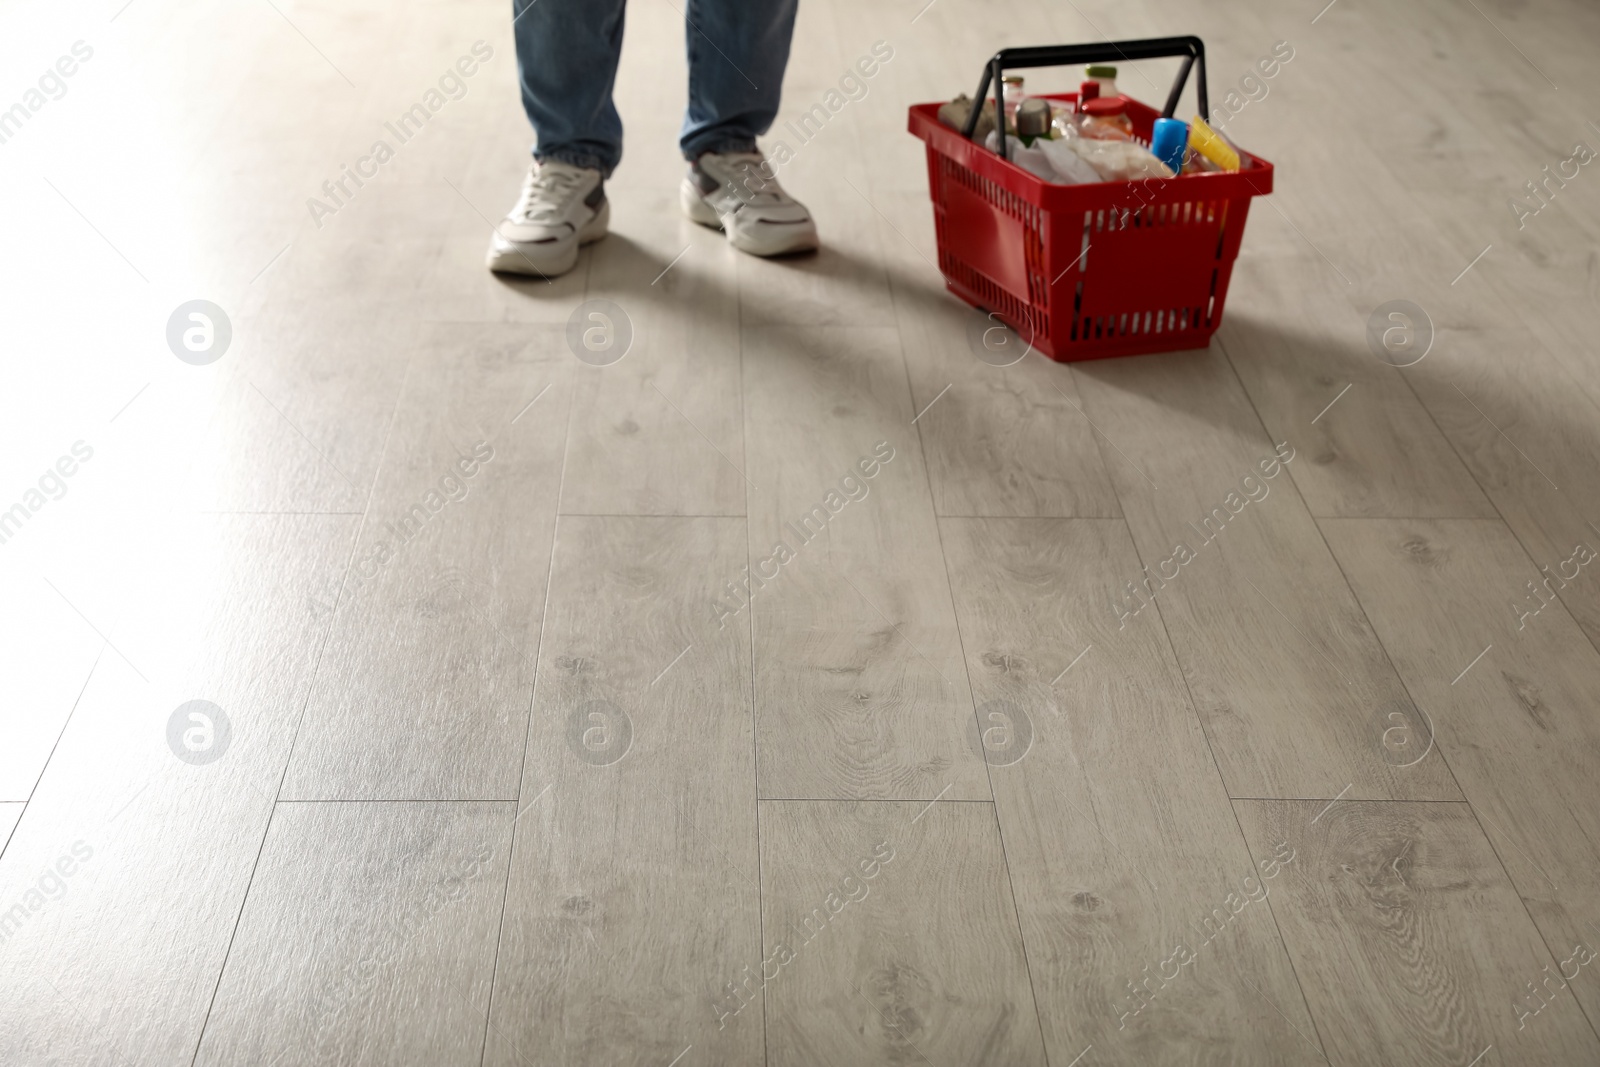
[(1106, 120), (1211, 145), (1089, 90), (1064, 122), (1106, 77), (1012, 93), (1169, 140)]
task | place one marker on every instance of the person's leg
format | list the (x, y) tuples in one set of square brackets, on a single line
[(567, 62), (738, 50)]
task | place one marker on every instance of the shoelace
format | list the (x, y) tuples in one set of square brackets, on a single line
[(545, 195)]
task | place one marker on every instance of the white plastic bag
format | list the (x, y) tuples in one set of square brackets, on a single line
[(1119, 161), (1070, 167), (1031, 160), (1080, 160)]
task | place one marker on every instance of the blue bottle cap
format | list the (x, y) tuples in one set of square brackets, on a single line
[(1168, 141)]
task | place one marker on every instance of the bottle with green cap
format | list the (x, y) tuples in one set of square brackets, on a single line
[(1106, 77), (1013, 93)]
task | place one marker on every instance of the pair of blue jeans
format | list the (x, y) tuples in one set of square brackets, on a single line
[(567, 53)]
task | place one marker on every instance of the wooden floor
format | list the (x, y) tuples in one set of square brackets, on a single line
[(512, 760)]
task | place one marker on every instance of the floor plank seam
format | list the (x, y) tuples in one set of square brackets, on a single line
[(1342, 800), (1387, 659), (872, 800), (1194, 709), (61, 733), (527, 732), (1522, 898), (1594, 641), (750, 636), (966, 672), (398, 800), (311, 683), (1326, 547)]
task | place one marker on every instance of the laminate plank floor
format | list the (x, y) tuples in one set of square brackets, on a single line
[(806, 672), (358, 913), (639, 796), (1373, 909), (9, 814), (1517, 727), (848, 892)]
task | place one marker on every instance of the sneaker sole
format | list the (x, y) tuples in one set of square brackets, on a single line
[(549, 259), (697, 210)]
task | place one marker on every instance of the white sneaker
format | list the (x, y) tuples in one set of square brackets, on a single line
[(561, 207), (734, 191)]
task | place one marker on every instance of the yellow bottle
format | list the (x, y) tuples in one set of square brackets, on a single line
[(1209, 143)]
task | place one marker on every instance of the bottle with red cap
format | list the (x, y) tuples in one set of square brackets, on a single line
[(1105, 119)]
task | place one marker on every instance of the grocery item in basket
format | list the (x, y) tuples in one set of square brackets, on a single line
[(1030, 158), (1089, 90), (1119, 161), (1013, 93), (1212, 146), (1070, 167), (954, 114), (1169, 141), (1032, 119), (1105, 119), (1064, 122), (1105, 77), (1080, 160)]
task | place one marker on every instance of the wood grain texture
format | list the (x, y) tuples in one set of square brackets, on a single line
[(424, 690), (849, 889), (1372, 451), (1118, 834), (1517, 727), (1535, 453), (844, 282), (460, 289), (1511, 379), (660, 431), (368, 342), (1407, 936), (301, 422), (387, 236), (633, 895), (360, 913), (860, 688), (1004, 431), (1283, 667), (117, 961), (1002, 440)]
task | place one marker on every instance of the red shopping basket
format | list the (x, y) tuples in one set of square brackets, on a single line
[(1093, 270)]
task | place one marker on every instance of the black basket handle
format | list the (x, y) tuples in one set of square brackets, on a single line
[(1060, 55)]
